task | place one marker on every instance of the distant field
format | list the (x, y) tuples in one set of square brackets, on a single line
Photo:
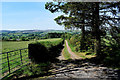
[(13, 45)]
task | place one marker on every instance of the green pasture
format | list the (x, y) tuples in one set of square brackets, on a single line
[(13, 45), (14, 57)]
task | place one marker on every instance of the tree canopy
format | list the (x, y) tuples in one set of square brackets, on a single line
[(98, 18)]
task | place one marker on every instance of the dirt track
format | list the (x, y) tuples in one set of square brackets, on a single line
[(73, 55)]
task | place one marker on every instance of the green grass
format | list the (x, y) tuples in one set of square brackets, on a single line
[(14, 60), (52, 39), (30, 70), (14, 45), (66, 54)]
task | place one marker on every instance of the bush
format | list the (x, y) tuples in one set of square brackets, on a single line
[(74, 39), (45, 50), (110, 52), (111, 55), (77, 42)]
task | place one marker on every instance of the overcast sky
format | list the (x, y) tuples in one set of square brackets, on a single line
[(28, 16)]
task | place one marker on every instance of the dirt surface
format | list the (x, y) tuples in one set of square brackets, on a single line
[(81, 69), (61, 57), (73, 55), (78, 69)]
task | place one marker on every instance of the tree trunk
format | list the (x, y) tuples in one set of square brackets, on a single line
[(82, 43), (83, 37), (96, 29)]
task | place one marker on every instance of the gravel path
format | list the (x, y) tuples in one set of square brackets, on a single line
[(78, 69)]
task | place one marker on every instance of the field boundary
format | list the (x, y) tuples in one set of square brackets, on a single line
[(18, 57)]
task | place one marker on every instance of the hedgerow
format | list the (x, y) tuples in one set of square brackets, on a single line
[(45, 50)]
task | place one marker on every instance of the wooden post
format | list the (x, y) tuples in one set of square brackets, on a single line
[(21, 57), (8, 62)]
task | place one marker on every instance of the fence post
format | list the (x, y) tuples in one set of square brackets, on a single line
[(8, 62), (21, 56)]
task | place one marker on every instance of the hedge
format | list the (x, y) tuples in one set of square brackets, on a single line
[(45, 50)]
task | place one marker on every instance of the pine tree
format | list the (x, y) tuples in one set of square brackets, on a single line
[(92, 15)]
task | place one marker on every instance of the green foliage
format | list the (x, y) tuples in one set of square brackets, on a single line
[(24, 39), (67, 36), (54, 35), (30, 35), (75, 41), (88, 16), (111, 51), (49, 44), (45, 50), (81, 54)]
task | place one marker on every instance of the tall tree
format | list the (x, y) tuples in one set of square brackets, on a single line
[(76, 17), (82, 15)]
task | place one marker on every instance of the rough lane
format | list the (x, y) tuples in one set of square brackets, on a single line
[(79, 69), (73, 55)]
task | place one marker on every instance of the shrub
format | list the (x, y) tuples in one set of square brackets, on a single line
[(77, 42), (74, 39), (110, 52)]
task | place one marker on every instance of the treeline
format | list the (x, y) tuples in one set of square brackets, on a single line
[(54, 35), (11, 36), (30, 36), (100, 31)]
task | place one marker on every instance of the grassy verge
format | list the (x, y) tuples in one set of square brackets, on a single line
[(66, 54), (31, 69), (81, 54)]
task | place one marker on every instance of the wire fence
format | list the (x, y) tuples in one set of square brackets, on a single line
[(13, 60)]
